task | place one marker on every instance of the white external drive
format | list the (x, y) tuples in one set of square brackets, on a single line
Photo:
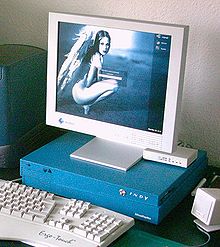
[(181, 157)]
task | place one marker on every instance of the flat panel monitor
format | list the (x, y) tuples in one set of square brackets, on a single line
[(118, 80)]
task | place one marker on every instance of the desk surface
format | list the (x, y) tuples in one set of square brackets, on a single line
[(178, 226)]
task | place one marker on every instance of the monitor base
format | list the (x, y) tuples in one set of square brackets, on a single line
[(109, 153), (207, 228)]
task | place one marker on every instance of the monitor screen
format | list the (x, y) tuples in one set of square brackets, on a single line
[(116, 79)]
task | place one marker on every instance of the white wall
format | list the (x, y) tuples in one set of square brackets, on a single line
[(25, 21)]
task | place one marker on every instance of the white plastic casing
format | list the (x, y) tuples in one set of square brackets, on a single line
[(206, 206), (181, 157), (165, 141)]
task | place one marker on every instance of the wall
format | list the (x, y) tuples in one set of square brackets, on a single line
[(25, 21)]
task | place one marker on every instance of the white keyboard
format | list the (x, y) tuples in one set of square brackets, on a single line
[(44, 219)]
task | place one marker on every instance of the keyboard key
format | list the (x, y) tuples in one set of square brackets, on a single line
[(80, 231), (101, 236)]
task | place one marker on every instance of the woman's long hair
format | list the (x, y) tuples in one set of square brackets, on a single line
[(95, 47)]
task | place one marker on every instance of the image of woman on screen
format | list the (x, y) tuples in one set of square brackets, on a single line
[(88, 60)]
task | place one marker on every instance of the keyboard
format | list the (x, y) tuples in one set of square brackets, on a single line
[(40, 218)]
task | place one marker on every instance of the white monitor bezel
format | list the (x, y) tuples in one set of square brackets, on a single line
[(166, 141)]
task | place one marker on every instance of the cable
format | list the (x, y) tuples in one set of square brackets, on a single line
[(16, 180), (204, 244), (183, 144)]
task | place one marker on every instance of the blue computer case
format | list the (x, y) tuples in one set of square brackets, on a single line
[(148, 191)]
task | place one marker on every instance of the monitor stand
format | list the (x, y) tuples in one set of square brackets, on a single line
[(109, 153)]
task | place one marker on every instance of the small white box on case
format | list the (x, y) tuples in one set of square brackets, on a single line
[(181, 157)]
